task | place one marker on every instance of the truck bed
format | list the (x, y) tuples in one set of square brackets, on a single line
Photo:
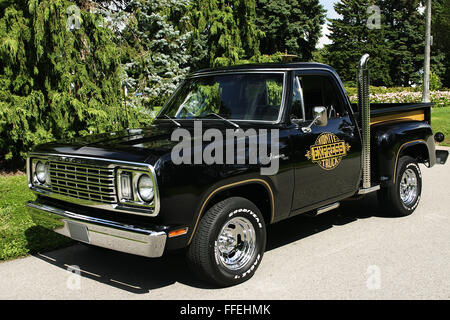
[(383, 112)]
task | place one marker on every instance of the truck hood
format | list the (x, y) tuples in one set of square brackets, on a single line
[(135, 145), (145, 145)]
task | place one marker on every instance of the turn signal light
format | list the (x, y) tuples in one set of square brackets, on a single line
[(125, 186), (179, 232)]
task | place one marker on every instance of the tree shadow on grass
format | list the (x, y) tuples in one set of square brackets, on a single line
[(139, 275), (41, 239)]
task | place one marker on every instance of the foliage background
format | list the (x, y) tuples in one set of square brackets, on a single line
[(65, 65)]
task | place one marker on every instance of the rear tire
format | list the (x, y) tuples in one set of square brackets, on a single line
[(401, 198), (229, 243)]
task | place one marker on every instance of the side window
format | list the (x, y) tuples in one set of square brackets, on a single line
[(321, 91), (274, 93), (263, 95)]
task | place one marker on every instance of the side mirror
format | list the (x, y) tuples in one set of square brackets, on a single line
[(320, 113), (320, 119)]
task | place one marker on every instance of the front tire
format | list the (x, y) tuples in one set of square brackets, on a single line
[(401, 198), (229, 243)]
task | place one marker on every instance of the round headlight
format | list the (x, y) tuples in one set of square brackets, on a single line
[(41, 172), (145, 188)]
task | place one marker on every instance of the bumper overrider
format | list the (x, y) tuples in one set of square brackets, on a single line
[(99, 232)]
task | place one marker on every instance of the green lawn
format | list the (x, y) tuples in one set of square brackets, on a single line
[(19, 235), (440, 121)]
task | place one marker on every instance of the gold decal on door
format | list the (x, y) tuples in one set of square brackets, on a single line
[(328, 151)]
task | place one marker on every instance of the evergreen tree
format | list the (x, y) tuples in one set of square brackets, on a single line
[(440, 27), (405, 27), (396, 48), (59, 75), (245, 16), (290, 25), (157, 54), (351, 38), (224, 32)]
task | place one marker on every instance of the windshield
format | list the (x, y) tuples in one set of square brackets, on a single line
[(251, 96)]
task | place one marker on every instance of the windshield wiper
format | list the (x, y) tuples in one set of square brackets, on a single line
[(220, 117), (176, 122)]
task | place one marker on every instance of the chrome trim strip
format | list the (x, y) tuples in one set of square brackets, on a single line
[(137, 209), (106, 233), (100, 193), (301, 98), (135, 176), (87, 184), (268, 68)]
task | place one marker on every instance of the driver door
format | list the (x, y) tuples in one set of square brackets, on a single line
[(326, 159)]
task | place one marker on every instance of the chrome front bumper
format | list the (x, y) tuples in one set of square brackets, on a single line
[(100, 232)]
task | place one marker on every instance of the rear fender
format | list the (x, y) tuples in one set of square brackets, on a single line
[(392, 140)]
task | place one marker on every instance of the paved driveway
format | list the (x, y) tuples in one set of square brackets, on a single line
[(354, 252)]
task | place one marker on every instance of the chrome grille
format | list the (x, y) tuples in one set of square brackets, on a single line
[(83, 181)]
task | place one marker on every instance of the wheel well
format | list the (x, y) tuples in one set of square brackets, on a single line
[(254, 192), (417, 151)]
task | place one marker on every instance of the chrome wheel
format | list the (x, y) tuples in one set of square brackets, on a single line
[(236, 243), (408, 187)]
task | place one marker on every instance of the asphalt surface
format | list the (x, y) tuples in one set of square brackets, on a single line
[(354, 252)]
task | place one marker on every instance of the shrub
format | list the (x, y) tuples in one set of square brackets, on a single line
[(397, 95), (435, 81), (57, 83)]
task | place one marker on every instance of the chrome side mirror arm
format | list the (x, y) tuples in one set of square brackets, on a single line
[(320, 118), (308, 128)]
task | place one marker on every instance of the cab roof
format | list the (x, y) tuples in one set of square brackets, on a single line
[(268, 66)]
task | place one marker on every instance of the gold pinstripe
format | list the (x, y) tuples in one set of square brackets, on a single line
[(228, 186), (416, 115), (398, 153)]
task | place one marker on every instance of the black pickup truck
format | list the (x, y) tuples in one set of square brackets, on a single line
[(301, 147)]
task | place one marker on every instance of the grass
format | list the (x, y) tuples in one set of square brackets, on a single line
[(440, 121), (19, 235)]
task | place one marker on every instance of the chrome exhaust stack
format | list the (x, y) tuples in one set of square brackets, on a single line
[(364, 113)]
